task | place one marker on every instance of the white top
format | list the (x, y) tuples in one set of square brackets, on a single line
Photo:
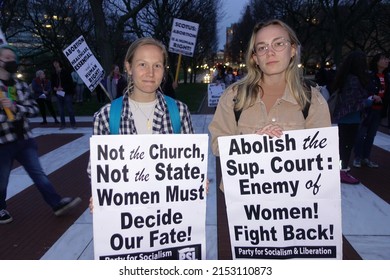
[(143, 115)]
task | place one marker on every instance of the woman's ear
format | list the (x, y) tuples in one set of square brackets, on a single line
[(255, 58), (293, 51), (128, 68)]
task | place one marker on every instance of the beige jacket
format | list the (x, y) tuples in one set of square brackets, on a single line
[(286, 112)]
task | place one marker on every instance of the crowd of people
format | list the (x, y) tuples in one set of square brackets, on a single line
[(226, 75)]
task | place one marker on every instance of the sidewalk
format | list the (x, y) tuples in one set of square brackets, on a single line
[(366, 216)]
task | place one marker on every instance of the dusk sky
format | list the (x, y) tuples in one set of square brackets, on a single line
[(233, 10)]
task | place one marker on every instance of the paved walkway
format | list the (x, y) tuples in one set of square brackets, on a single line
[(366, 216)]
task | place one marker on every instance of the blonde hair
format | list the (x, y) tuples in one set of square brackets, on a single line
[(249, 86), (133, 48)]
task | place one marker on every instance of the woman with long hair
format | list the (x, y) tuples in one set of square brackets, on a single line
[(144, 110), (273, 95)]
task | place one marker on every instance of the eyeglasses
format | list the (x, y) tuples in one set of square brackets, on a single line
[(278, 45)]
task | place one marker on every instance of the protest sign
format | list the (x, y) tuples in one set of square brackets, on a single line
[(149, 196), (283, 194), (84, 63), (183, 37), (214, 93)]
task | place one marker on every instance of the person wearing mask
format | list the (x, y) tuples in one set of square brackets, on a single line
[(62, 83), (351, 81), (379, 88), (17, 141), (42, 92)]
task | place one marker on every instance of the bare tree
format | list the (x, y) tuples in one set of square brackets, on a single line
[(10, 18), (328, 29), (156, 21), (110, 19), (109, 26), (241, 36), (53, 25)]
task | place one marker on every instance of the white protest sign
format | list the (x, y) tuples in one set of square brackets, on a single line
[(214, 93), (85, 63), (183, 37), (283, 194), (149, 196)]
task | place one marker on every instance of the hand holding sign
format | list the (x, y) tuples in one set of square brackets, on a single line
[(7, 104)]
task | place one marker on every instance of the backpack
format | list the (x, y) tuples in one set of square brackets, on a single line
[(116, 109), (305, 111)]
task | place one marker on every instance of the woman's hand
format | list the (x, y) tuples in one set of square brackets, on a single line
[(7, 103), (272, 130)]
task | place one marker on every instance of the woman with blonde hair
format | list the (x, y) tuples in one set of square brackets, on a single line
[(144, 110), (144, 107), (273, 96)]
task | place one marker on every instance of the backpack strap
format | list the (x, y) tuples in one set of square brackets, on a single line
[(116, 109), (237, 115), (173, 113), (115, 115), (309, 84)]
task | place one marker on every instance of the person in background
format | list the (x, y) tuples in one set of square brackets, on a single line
[(79, 87), (238, 74), (116, 82), (325, 76), (379, 88), (62, 83), (220, 76), (230, 77), (351, 80), (17, 141), (41, 87)]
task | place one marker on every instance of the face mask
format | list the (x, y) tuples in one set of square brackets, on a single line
[(10, 66)]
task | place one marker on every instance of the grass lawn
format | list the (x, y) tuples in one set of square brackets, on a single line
[(191, 94)]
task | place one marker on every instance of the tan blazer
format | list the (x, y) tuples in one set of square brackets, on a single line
[(286, 112)]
